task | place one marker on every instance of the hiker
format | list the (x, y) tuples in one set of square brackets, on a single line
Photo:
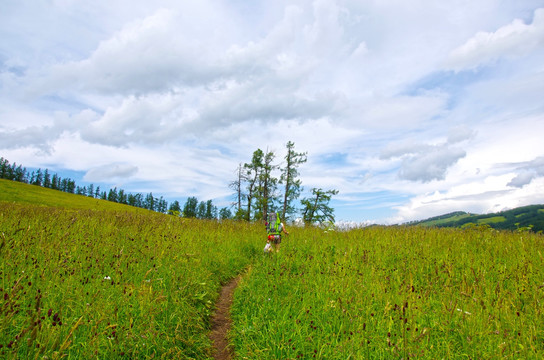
[(274, 228)]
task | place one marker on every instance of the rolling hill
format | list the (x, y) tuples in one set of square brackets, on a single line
[(14, 191), (525, 217)]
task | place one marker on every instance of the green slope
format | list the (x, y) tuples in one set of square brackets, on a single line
[(531, 216), (13, 191)]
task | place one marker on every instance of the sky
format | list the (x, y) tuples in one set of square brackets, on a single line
[(410, 109)]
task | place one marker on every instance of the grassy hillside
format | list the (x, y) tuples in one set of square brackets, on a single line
[(105, 284), (88, 283), (395, 293), (526, 217), (17, 192)]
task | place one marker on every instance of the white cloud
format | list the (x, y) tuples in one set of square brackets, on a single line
[(431, 164), (423, 162), (147, 119), (522, 179), (460, 133), (527, 172), (513, 40), (110, 171), (184, 91)]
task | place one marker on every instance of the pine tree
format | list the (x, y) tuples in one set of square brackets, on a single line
[(211, 210), (225, 214), (175, 208), (316, 209), (237, 186), (46, 179), (112, 195), (162, 205), (54, 182), (121, 197), (3, 167), (293, 186), (149, 202), (20, 174), (252, 174), (38, 179), (90, 190), (201, 210), (189, 209), (267, 187)]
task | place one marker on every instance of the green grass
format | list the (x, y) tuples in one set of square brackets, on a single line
[(395, 293), (492, 220), (80, 281), (103, 284), (16, 192), (446, 220)]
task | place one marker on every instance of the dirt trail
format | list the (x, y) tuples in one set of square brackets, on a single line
[(221, 322)]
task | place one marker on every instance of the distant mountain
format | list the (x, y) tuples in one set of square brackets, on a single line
[(525, 217)]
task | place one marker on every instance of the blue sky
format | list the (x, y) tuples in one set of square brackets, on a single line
[(409, 109)]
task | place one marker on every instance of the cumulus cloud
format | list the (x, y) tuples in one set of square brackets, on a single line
[(147, 119), (431, 164), (423, 162), (31, 136), (460, 134), (513, 40), (139, 82), (152, 54), (110, 171), (527, 172), (522, 179)]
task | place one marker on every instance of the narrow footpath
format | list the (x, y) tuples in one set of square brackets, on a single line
[(221, 322)]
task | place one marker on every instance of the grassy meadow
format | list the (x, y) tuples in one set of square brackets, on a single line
[(88, 282), (102, 284), (395, 293)]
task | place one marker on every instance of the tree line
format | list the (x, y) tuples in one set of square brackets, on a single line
[(43, 178), (261, 186)]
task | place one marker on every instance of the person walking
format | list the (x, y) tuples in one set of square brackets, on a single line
[(274, 229)]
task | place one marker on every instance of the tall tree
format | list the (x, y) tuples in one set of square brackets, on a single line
[(225, 214), (150, 202), (189, 209), (293, 186), (4, 163), (46, 179), (175, 208), (90, 190), (20, 174), (55, 182), (122, 197), (316, 209), (237, 186), (112, 195), (38, 179), (201, 210), (211, 210), (162, 205), (267, 187), (252, 173)]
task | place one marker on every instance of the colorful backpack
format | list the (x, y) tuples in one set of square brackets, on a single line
[(273, 223)]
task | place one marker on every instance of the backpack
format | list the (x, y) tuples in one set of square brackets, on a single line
[(273, 223)]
